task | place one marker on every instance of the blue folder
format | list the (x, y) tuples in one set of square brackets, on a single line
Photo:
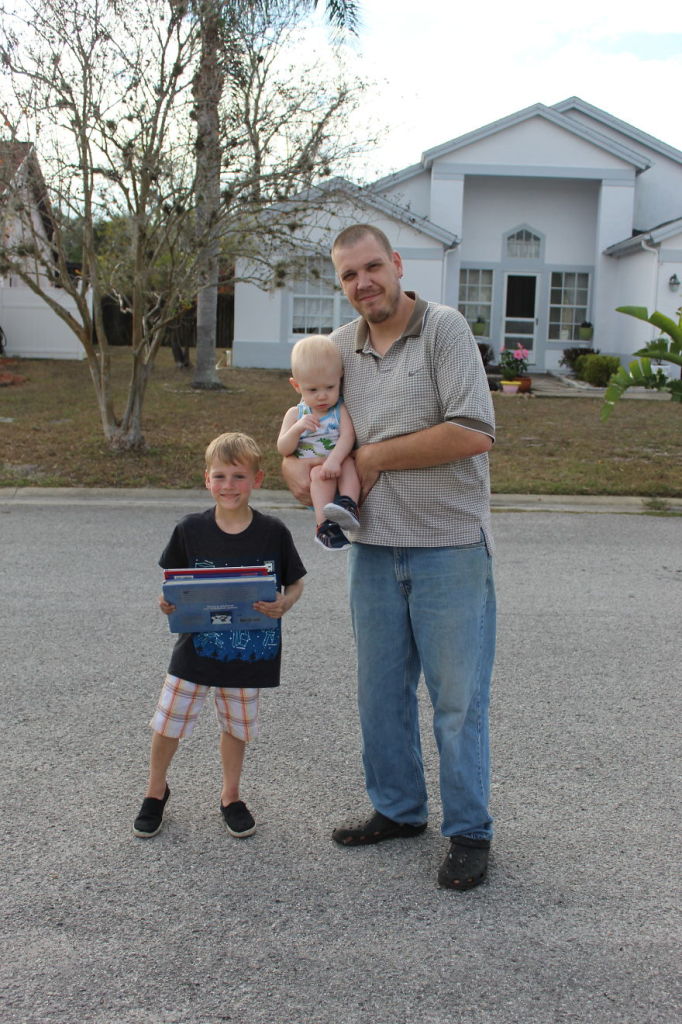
[(215, 604)]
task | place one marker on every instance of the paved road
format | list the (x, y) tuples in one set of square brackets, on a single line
[(579, 919)]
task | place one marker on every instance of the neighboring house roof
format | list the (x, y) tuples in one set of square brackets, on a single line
[(576, 104), (345, 189), (13, 155), (654, 236), (550, 114)]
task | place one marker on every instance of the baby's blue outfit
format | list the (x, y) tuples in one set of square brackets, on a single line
[(315, 444)]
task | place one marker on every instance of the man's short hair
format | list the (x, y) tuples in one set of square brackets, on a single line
[(314, 353), (233, 447), (356, 232)]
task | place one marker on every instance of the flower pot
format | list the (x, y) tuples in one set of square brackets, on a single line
[(510, 387), (479, 330), (524, 385), (585, 333)]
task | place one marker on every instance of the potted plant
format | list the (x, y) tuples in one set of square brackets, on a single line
[(513, 367), (585, 331), (479, 327)]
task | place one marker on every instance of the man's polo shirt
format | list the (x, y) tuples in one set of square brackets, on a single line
[(432, 374)]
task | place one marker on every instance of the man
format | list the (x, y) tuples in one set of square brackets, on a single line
[(420, 572)]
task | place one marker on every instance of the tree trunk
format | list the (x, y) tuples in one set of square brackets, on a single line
[(208, 86)]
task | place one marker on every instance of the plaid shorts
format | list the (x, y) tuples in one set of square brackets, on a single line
[(181, 701)]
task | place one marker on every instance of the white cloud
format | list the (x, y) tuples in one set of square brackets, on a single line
[(443, 71)]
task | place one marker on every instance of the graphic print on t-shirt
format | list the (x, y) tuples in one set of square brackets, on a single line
[(237, 645)]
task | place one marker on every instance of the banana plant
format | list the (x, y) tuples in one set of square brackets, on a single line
[(640, 372)]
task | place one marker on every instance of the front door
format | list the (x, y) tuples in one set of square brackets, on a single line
[(520, 314)]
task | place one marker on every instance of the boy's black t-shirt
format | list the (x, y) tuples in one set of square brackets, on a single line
[(234, 658)]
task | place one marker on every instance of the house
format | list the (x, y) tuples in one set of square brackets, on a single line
[(532, 225), (30, 327)]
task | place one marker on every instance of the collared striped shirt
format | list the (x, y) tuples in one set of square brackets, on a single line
[(432, 374)]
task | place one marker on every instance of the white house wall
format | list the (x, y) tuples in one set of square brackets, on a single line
[(659, 188), (564, 211), (262, 325), (33, 330), (413, 194), (535, 143)]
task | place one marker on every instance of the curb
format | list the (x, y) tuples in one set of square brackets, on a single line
[(195, 498)]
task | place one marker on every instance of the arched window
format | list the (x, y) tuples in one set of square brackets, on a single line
[(523, 244)]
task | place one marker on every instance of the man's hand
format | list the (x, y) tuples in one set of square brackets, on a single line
[(165, 607), (366, 471), (296, 473)]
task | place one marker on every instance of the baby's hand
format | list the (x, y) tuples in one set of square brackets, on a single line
[(330, 469), (165, 607), (308, 422)]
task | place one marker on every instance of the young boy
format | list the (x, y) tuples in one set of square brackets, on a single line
[(234, 664), (320, 430)]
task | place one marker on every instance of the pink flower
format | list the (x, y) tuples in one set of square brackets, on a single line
[(521, 353)]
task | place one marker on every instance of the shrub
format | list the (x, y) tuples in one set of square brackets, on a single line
[(597, 369), (579, 365), (570, 356)]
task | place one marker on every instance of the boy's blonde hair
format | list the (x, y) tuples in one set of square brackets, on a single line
[(234, 447), (314, 353)]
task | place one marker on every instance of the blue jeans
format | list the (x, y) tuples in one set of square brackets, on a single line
[(430, 609)]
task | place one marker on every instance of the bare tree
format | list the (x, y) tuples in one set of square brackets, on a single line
[(109, 88), (106, 89)]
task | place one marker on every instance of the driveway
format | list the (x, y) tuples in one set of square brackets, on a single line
[(579, 919)]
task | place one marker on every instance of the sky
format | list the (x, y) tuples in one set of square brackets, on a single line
[(442, 68)]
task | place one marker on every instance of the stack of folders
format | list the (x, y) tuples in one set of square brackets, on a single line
[(218, 599)]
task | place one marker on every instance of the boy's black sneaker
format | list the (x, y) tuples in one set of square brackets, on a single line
[(239, 820), (150, 819), (343, 511), (331, 537)]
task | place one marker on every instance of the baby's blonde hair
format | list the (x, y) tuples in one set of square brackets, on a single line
[(314, 353), (232, 448)]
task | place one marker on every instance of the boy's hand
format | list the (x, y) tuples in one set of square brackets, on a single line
[(274, 609), (165, 607)]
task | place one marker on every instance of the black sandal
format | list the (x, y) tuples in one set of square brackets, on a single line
[(374, 830)]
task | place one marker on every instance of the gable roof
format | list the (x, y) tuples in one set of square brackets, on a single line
[(576, 104), (654, 236), (550, 114), (345, 189), (12, 156)]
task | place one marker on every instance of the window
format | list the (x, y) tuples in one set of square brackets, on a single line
[(476, 296), (523, 244), (568, 304), (318, 304)]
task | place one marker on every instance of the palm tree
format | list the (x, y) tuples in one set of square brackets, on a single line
[(217, 19)]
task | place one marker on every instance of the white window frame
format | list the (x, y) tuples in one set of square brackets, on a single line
[(476, 295), (567, 314), (318, 306)]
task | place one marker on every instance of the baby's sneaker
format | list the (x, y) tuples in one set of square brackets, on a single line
[(343, 511), (331, 537)]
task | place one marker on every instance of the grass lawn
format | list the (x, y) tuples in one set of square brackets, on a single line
[(50, 434)]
